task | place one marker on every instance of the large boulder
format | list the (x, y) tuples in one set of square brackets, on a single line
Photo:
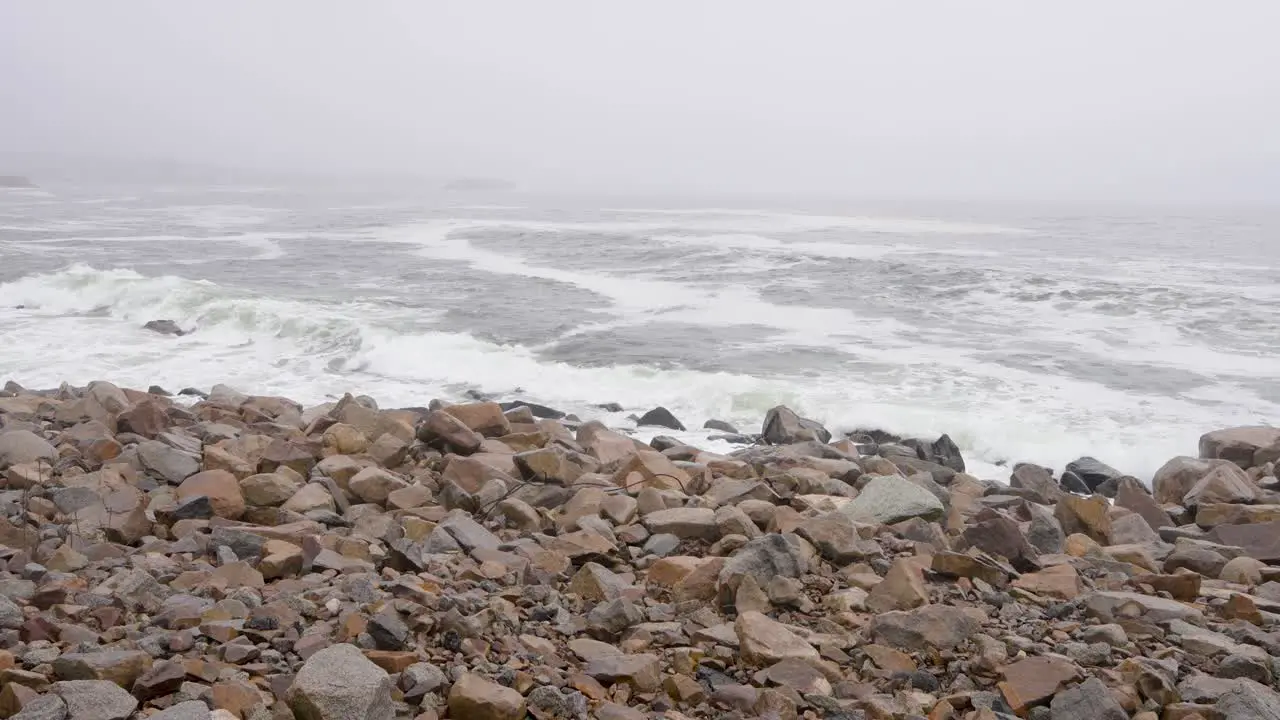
[(222, 489), (1225, 483), (782, 426), (660, 417), (889, 499), (475, 698), (95, 700), (1240, 445), (1093, 472), (340, 683), (19, 447)]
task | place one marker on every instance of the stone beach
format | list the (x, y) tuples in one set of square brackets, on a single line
[(223, 555)]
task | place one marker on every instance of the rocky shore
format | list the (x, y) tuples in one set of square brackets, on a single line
[(247, 557)]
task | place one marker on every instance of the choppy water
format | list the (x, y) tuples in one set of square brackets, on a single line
[(1025, 334)]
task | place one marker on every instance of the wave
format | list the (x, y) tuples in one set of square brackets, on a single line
[(82, 324)]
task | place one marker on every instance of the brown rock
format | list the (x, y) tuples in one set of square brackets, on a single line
[(1238, 445), (903, 588), (222, 489), (684, 523), (1184, 586), (1133, 495), (1058, 581), (970, 565), (1225, 483), (1035, 680), (485, 418), (1087, 515), (764, 641), (442, 429), (642, 672), (941, 627), (1176, 478), (121, 667), (651, 469), (475, 698)]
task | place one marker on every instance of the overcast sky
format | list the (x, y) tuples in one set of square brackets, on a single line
[(1142, 98)]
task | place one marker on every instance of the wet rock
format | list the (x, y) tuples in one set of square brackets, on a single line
[(164, 327), (661, 417), (1093, 472)]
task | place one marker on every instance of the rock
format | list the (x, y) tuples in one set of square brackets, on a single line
[(47, 707), (1242, 570), (1257, 540), (939, 627), (643, 672), (764, 641), (1090, 700), (162, 678), (189, 710), (339, 683), (485, 418), (888, 500), (1093, 472), (475, 698), (164, 327), (721, 426), (1133, 495), (374, 485), (1109, 606), (1058, 581), (1037, 480), (1073, 483), (1176, 478), (268, 489), (1224, 483), (764, 558), (20, 447), (1249, 700), (783, 427), (684, 523), (169, 464), (835, 535), (1238, 445), (1195, 557), (660, 417), (222, 489), (95, 700), (121, 667), (1000, 535), (903, 588), (1034, 680), (1090, 516), (443, 430)]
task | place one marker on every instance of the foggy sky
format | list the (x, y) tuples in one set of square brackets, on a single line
[(1142, 98)]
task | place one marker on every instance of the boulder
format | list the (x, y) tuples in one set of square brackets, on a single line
[(660, 417), (888, 499), (222, 489), (937, 627), (95, 700), (475, 698), (782, 426), (1093, 472), (1225, 483), (340, 683), (485, 418), (1089, 516), (1239, 445), (1037, 480), (1090, 700), (1175, 478), (764, 641), (20, 447), (165, 462), (164, 327)]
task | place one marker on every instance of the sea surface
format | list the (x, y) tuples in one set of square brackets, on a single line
[(1026, 333)]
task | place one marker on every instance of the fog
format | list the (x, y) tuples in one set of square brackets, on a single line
[(1142, 99)]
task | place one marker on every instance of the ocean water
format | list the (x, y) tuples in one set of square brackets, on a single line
[(1027, 334)]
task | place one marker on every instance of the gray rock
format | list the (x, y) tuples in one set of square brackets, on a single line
[(888, 500), (468, 533), (420, 679), (764, 558), (1093, 472), (18, 447), (45, 707), (11, 617), (1045, 533), (95, 700), (661, 417), (189, 710), (339, 683), (1249, 701), (167, 463), (1090, 700), (782, 426), (720, 425)]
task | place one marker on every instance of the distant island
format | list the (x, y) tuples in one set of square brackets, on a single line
[(485, 184), (15, 181)]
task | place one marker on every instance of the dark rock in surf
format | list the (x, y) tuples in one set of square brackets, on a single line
[(662, 443), (738, 439), (782, 426), (611, 407), (157, 390), (942, 451), (661, 417), (1092, 471), (192, 392), (165, 327), (873, 437), (539, 411), (720, 425)]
